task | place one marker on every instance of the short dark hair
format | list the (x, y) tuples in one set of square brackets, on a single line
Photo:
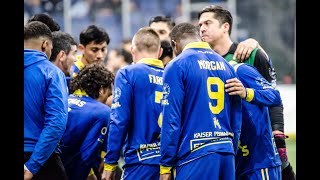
[(167, 49), (91, 78), (94, 33), (126, 55), (165, 19), (46, 19), (61, 41), (184, 30), (36, 29), (219, 13)]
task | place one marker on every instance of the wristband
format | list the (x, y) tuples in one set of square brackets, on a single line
[(110, 167), (165, 170)]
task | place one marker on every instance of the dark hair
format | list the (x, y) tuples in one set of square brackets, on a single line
[(91, 78), (167, 49), (165, 19), (46, 19), (183, 30), (61, 41), (126, 55), (36, 29), (126, 41), (222, 15), (93, 33)]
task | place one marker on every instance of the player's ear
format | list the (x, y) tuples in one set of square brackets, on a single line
[(61, 56), (160, 52), (226, 27), (133, 52), (44, 45), (81, 47)]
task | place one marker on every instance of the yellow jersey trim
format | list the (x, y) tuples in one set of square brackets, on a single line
[(203, 45), (152, 62), (80, 66), (91, 172), (110, 167), (78, 57), (165, 170), (80, 92), (103, 153), (233, 62), (250, 94)]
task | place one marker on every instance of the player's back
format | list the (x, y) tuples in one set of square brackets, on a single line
[(144, 80), (86, 130), (206, 116)]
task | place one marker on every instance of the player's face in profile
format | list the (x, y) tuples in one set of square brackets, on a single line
[(70, 59), (162, 29), (210, 28)]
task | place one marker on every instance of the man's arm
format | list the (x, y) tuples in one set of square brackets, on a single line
[(258, 90), (172, 106), (119, 121), (56, 114)]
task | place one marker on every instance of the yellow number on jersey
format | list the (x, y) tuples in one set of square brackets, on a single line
[(219, 95), (244, 149), (158, 96)]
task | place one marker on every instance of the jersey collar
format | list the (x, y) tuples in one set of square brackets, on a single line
[(80, 92), (152, 62), (203, 45)]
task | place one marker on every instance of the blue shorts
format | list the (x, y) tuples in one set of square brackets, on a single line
[(212, 166), (273, 173), (134, 172)]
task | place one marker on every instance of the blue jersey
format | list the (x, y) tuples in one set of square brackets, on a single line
[(135, 111), (257, 147), (45, 108), (85, 134), (199, 117)]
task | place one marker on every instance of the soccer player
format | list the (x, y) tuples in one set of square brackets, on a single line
[(162, 25), (64, 52), (201, 122), (94, 47), (118, 58), (215, 28), (257, 156), (167, 52), (88, 119), (45, 106), (135, 112), (47, 20)]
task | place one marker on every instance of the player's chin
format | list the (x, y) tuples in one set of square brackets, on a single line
[(205, 39)]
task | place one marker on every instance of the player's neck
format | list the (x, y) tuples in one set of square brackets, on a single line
[(222, 46), (84, 60)]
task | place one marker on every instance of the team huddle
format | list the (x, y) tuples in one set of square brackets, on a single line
[(209, 111)]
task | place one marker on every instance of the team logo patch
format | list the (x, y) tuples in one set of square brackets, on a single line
[(116, 94), (166, 90)]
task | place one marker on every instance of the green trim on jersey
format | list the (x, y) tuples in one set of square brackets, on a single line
[(250, 60)]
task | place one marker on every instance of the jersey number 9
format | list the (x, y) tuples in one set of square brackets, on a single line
[(216, 95)]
